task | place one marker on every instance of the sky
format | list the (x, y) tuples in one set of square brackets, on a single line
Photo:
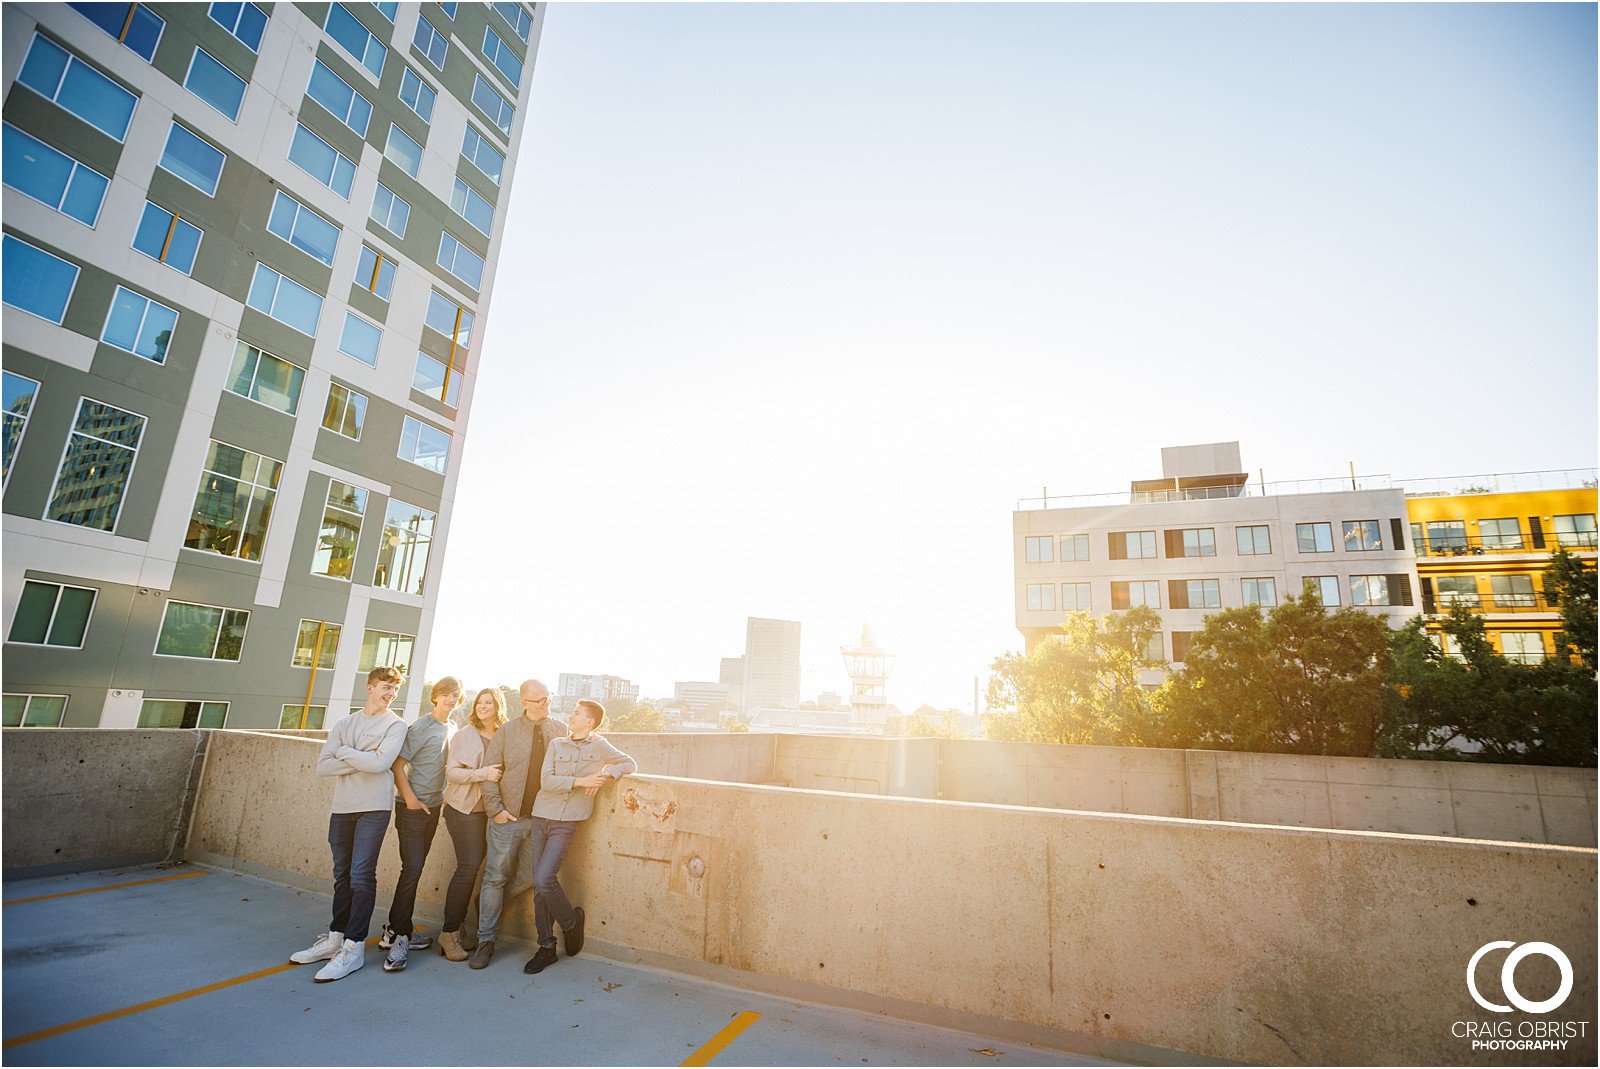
[(796, 301)]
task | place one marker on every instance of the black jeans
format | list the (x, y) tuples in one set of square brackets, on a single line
[(469, 835), (356, 839), (416, 829)]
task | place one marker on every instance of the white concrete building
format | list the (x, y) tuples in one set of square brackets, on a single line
[(571, 687)]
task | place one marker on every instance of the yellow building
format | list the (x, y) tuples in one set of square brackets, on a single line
[(1486, 542)]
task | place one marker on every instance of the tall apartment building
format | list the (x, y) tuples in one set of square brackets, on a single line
[(1202, 538), (573, 686), (248, 254), (731, 672), (771, 664)]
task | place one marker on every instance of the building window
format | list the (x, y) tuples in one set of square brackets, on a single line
[(1194, 593), (1193, 542), (335, 555), (495, 107), (1254, 540), (1262, 592), (460, 261), (437, 379), (1575, 531), (35, 281), (403, 553), (476, 150), (1369, 590), (497, 52), (449, 319), (1457, 590), (417, 95), (95, 469), (387, 10), (247, 22), (516, 17), (1314, 537), (449, 10), (1513, 591), (1137, 592), (1524, 647), (1132, 545), (285, 300), (403, 151), (265, 379), (1180, 645), (1326, 588), (168, 239), (138, 325), (52, 178), (387, 649), (1362, 536), (339, 98), (191, 159), (375, 273), (77, 88), (1446, 536), (389, 211), (322, 161), (345, 411), (215, 84), (303, 228), (348, 32), (425, 446), (1503, 533), (360, 339), (134, 26), (433, 45), (1075, 547), (1041, 597), (206, 632), (19, 394), (234, 504), (302, 717), (312, 650), (177, 713), (52, 614), (472, 207), (1039, 549), (34, 710), (1075, 597)]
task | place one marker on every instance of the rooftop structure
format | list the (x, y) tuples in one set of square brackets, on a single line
[(868, 665)]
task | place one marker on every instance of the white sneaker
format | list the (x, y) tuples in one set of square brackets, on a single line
[(397, 954), (351, 957), (326, 946)]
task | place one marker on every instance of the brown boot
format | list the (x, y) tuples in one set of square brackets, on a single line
[(450, 946)]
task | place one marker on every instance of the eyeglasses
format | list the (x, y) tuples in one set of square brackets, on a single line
[(536, 701)]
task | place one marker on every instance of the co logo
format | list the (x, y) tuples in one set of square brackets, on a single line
[(1508, 976)]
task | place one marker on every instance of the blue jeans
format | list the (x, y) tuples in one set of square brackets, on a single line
[(416, 830), (548, 847), (506, 842), (356, 839)]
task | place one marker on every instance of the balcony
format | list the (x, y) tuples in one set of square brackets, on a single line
[(1441, 604), (1464, 545)]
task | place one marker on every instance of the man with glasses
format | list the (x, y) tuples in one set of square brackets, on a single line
[(519, 750)]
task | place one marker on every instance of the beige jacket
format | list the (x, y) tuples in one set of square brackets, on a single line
[(464, 771)]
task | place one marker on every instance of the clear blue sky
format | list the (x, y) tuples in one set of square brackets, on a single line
[(796, 300)]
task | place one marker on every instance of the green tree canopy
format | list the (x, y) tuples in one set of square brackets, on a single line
[(1569, 583)]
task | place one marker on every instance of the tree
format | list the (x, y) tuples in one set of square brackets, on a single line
[(635, 716), (1297, 679), (733, 724), (930, 723), (1569, 583), (1081, 686)]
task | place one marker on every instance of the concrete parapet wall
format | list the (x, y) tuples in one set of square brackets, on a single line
[(904, 768), (737, 757), (79, 798)]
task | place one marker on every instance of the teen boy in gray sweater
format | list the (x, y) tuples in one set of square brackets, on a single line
[(360, 751)]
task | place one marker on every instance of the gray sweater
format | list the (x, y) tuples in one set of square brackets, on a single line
[(361, 751)]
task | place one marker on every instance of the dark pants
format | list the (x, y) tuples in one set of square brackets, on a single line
[(416, 829), (548, 843), (356, 839), (468, 836)]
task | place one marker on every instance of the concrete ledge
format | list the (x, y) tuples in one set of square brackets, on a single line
[(88, 864)]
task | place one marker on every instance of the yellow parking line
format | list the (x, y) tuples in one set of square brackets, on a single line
[(126, 1011), (714, 1046), (107, 887)]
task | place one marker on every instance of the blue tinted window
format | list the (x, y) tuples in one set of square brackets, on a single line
[(247, 22), (375, 272), (35, 281), (165, 237), (285, 300), (355, 39), (431, 43), (139, 325), (360, 339), (83, 91), (387, 10), (342, 102), (403, 151), (517, 17), (52, 177), (460, 261), (322, 161), (472, 207), (482, 155), (215, 84), (193, 160), (448, 9), (134, 25), (496, 51), (417, 94), (303, 228), (492, 104), (389, 211)]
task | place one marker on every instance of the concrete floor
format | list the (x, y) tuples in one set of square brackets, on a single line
[(71, 958)]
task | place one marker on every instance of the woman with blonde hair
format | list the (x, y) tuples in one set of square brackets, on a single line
[(464, 814)]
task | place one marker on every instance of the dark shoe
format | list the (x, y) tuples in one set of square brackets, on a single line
[(572, 938), (541, 961), (482, 955), (420, 941)]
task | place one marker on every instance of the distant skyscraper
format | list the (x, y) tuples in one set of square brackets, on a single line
[(771, 664), (574, 685), (732, 673)]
